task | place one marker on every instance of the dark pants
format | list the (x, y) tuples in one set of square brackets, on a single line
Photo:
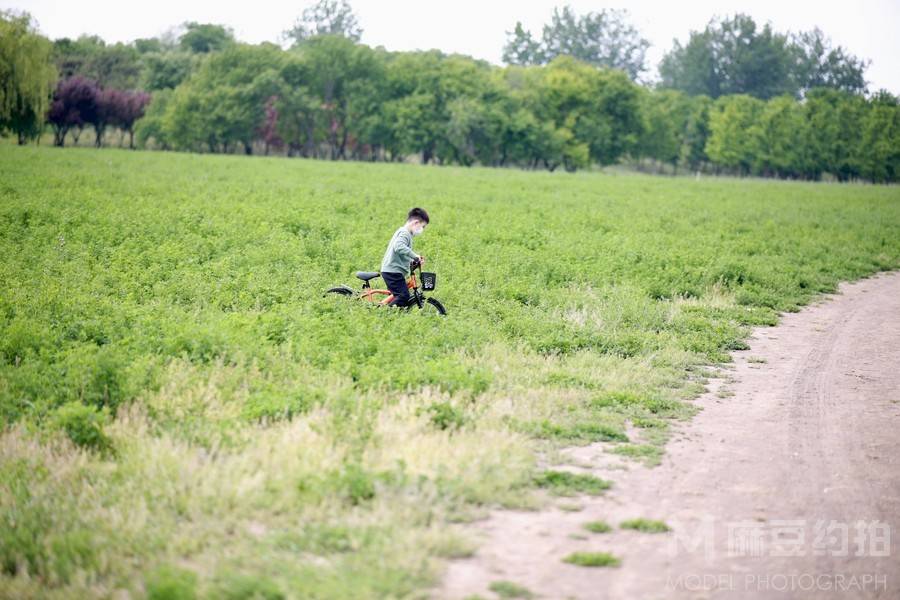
[(396, 282)]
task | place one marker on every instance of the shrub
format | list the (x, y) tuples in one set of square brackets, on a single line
[(83, 424), (356, 485), (444, 416)]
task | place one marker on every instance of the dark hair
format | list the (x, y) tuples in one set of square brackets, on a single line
[(418, 213)]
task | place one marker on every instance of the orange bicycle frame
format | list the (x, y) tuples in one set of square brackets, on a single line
[(379, 296)]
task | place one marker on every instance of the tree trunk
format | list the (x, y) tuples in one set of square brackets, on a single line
[(59, 136), (342, 151), (310, 146)]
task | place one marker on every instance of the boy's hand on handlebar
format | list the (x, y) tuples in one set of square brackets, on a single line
[(421, 260)]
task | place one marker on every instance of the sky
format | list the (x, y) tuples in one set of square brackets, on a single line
[(867, 28)]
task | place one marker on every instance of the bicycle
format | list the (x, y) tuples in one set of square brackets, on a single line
[(381, 297)]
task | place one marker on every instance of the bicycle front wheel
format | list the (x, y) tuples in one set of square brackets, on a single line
[(434, 306)]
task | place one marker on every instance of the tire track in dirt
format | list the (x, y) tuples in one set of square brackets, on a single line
[(789, 488)]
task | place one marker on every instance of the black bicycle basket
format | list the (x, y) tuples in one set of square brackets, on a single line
[(429, 281)]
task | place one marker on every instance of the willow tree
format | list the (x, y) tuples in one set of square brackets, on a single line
[(27, 76)]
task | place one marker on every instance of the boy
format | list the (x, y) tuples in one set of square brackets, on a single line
[(399, 253)]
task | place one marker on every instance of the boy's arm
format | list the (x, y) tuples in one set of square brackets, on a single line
[(404, 249)]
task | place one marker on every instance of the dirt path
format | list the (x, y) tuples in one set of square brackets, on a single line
[(787, 489)]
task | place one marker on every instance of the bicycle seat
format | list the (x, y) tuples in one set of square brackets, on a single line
[(367, 275)]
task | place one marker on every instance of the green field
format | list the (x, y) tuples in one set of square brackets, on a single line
[(187, 416)]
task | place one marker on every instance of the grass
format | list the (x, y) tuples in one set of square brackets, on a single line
[(645, 525), (564, 483), (598, 527), (592, 559), (649, 454), (508, 589), (184, 411)]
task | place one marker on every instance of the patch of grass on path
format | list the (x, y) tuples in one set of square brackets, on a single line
[(563, 483), (645, 526), (508, 589), (598, 527), (592, 559)]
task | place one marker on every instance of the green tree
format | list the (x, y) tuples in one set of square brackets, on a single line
[(416, 105), (326, 17), (202, 38), (222, 105), (27, 76), (521, 48), (731, 56), (585, 114), (603, 39), (879, 150), (297, 117), (520, 131), (72, 56), (613, 126), (732, 143), (416, 126), (149, 45), (346, 78), (111, 66), (696, 132), (161, 70), (835, 123), (479, 118), (782, 140), (665, 114), (821, 65), (531, 137), (152, 127)]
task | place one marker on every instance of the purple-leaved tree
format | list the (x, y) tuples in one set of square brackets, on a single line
[(74, 105), (124, 108), (268, 131)]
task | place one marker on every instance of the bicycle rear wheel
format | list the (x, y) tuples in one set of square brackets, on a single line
[(434, 306), (343, 290)]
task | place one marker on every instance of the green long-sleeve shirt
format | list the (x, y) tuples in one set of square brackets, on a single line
[(399, 253)]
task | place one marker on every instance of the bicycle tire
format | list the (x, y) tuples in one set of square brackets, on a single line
[(437, 306), (341, 289)]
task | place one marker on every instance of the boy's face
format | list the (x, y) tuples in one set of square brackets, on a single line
[(416, 226)]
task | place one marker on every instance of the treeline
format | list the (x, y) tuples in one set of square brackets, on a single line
[(575, 100), (844, 135)]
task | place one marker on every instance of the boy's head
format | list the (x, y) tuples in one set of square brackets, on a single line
[(416, 220)]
